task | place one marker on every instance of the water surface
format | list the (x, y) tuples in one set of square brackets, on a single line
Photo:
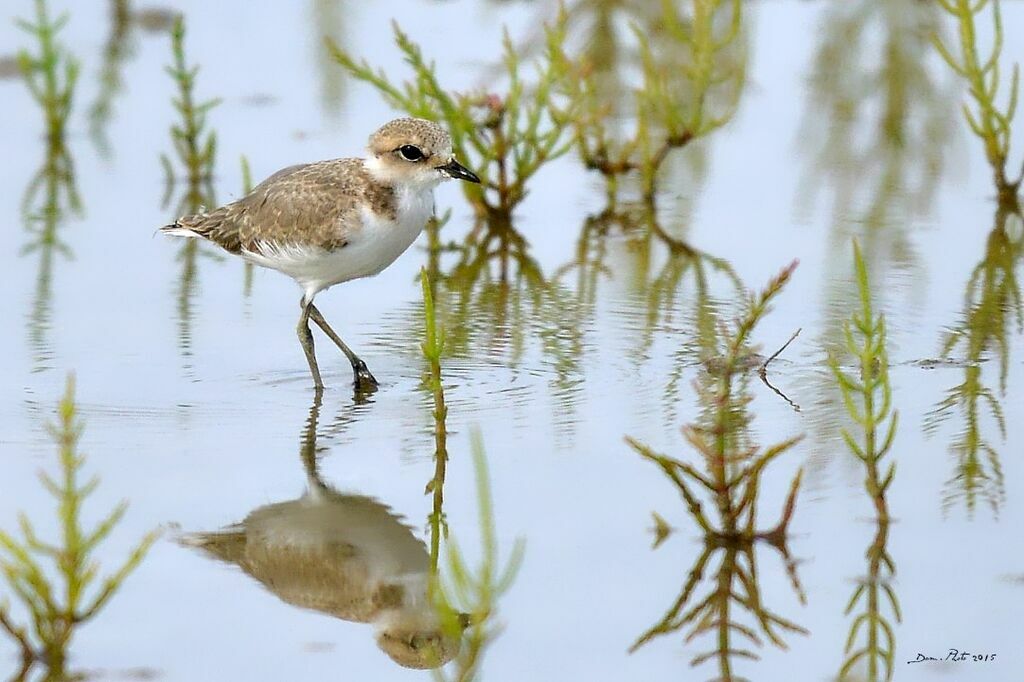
[(197, 398)]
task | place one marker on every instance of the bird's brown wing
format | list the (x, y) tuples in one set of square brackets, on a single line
[(318, 204)]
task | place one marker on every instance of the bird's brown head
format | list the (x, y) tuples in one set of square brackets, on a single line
[(419, 648), (414, 151)]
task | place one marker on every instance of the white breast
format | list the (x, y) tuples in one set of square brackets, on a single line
[(381, 240), (370, 248)]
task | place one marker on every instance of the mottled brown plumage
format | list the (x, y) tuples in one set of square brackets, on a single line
[(330, 222), (345, 555), (330, 575), (313, 203)]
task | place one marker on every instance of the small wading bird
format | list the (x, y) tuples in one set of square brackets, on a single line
[(346, 555), (329, 222)]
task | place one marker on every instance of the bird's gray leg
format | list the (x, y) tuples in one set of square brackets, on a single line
[(308, 450), (363, 378), (306, 339)]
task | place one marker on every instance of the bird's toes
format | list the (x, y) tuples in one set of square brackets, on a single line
[(363, 377)]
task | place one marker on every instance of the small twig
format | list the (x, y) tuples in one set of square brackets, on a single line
[(763, 371), (764, 379), (764, 365)]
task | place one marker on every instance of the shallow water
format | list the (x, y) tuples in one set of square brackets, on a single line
[(196, 396)]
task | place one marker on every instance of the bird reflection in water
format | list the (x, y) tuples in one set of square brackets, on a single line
[(343, 554)]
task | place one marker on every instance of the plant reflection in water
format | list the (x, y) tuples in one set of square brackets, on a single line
[(329, 18), (116, 50), (475, 591), (731, 476), (493, 285), (992, 296), (195, 149), (52, 194), (495, 299), (675, 281), (992, 310), (879, 120)]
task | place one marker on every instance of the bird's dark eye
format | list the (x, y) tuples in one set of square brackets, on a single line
[(410, 152)]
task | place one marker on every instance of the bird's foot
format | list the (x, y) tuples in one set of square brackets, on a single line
[(363, 380)]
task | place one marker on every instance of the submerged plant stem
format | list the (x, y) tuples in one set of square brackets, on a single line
[(433, 347)]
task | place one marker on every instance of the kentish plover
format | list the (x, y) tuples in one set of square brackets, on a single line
[(333, 221)]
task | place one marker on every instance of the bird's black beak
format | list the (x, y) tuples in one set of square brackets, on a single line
[(454, 169)]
